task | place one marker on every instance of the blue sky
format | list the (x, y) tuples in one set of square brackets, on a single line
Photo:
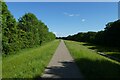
[(66, 18)]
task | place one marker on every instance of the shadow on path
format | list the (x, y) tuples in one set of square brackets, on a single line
[(61, 72), (64, 71)]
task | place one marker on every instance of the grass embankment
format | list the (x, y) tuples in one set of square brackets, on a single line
[(92, 65), (111, 51), (0, 66), (28, 63)]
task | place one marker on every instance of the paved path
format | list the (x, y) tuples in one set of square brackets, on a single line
[(62, 65)]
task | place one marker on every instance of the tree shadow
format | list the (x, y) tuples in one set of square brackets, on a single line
[(66, 71), (102, 47), (115, 54), (99, 69), (114, 50)]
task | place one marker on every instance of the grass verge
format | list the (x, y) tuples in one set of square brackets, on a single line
[(111, 51), (93, 66), (28, 63)]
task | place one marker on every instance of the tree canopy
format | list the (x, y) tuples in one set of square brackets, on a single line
[(26, 33), (109, 36)]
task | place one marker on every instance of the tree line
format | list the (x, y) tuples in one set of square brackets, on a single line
[(27, 32), (110, 36)]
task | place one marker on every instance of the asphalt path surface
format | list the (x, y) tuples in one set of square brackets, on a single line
[(62, 65)]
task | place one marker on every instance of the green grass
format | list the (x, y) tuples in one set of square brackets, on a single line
[(0, 55), (28, 63), (0, 66), (0, 35), (92, 65), (111, 51)]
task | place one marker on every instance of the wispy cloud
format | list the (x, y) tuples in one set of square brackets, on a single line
[(71, 15), (65, 13), (83, 20)]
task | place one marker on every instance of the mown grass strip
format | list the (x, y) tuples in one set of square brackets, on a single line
[(28, 63), (92, 65)]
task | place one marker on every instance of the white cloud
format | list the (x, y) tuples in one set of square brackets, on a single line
[(65, 13), (71, 15), (83, 20)]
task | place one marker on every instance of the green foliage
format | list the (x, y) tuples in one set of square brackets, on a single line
[(9, 30), (27, 32), (84, 37), (112, 33), (107, 37), (28, 24)]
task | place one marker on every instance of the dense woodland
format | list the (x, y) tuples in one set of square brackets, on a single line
[(27, 32), (110, 36)]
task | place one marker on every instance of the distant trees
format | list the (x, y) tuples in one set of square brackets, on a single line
[(112, 33), (99, 38), (26, 33), (109, 37), (83, 37)]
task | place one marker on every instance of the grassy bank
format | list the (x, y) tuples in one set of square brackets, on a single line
[(28, 63), (0, 55), (0, 66), (111, 51), (93, 66)]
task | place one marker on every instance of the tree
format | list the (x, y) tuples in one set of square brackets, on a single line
[(28, 26), (27, 32), (99, 38), (107, 37), (9, 30), (43, 31), (112, 32)]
